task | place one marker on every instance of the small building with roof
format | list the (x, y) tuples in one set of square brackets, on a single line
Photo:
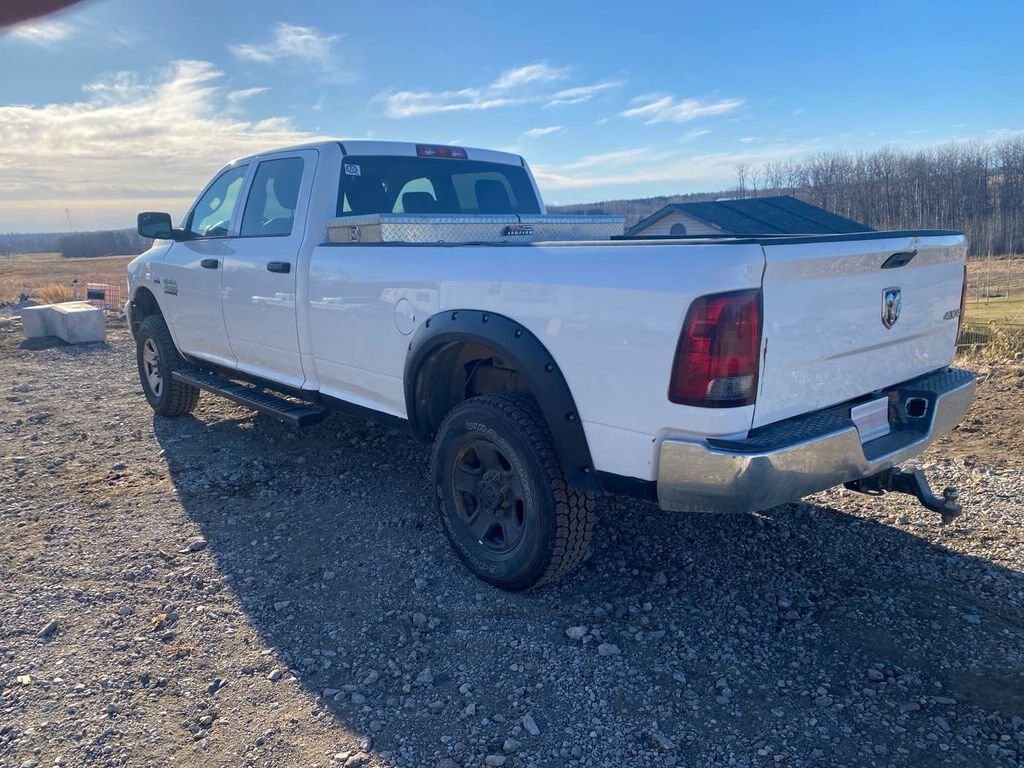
[(778, 215)]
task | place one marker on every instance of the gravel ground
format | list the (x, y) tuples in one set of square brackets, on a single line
[(219, 590)]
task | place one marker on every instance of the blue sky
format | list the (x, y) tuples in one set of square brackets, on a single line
[(121, 105)]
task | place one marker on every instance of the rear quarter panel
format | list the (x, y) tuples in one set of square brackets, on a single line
[(608, 313)]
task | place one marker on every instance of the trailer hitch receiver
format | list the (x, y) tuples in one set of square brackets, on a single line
[(914, 483)]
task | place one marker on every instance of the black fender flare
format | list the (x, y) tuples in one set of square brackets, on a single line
[(141, 300), (527, 354)]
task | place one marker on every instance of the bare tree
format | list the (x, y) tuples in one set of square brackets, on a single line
[(742, 174), (975, 187)]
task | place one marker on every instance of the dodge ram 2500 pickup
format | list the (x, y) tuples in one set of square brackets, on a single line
[(549, 359)]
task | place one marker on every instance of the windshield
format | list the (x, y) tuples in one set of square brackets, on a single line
[(431, 185)]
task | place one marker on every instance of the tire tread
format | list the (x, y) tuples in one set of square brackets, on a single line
[(182, 398), (575, 509)]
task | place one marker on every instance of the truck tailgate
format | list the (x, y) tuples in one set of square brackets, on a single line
[(837, 324)]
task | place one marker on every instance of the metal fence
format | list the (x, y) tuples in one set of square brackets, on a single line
[(974, 337), (103, 295)]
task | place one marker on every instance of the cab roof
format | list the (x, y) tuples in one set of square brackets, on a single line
[(364, 147)]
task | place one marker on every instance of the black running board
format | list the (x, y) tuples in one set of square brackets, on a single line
[(288, 411)]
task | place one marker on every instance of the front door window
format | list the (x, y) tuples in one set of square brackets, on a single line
[(212, 215)]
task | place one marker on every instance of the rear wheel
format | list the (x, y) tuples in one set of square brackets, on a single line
[(158, 358), (504, 501)]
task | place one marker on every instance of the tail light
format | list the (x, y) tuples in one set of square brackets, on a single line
[(717, 357)]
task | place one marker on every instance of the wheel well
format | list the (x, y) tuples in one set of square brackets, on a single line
[(458, 371), (459, 354), (143, 305)]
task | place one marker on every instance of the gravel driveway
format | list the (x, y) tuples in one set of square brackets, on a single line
[(220, 590)]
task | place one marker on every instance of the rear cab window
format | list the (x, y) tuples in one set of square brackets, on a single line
[(432, 185)]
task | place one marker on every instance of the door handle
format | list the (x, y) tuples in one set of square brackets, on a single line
[(209, 263), (899, 259), (284, 267)]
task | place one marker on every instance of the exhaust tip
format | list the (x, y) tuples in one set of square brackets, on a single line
[(916, 407)]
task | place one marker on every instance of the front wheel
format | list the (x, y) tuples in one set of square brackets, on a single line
[(504, 501), (158, 358)]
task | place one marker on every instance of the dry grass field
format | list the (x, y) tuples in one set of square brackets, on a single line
[(995, 291), (34, 272)]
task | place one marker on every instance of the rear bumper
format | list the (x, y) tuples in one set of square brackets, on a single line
[(783, 462)]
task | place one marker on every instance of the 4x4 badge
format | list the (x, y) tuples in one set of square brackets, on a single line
[(892, 303)]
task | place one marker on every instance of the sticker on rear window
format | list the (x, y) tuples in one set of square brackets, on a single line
[(351, 169)]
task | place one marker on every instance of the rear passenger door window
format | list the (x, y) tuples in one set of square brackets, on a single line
[(273, 198)]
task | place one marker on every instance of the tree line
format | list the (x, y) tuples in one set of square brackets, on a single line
[(111, 242), (976, 187)]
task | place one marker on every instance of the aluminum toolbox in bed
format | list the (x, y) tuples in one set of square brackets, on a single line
[(470, 228)]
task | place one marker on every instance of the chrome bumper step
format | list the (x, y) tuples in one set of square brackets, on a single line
[(786, 461)]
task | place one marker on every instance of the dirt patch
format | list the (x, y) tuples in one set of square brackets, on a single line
[(992, 435)]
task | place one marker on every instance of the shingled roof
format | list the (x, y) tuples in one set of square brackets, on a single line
[(783, 214)]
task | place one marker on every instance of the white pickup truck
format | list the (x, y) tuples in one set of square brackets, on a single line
[(545, 360)]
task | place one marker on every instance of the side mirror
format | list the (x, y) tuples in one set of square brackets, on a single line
[(157, 226)]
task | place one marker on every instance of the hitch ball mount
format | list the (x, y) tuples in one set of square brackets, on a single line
[(913, 483)]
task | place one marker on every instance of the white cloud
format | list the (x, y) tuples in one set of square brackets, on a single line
[(237, 97), (46, 33), (531, 73), (616, 157), (50, 33), (130, 142), (297, 43), (416, 103), (121, 36), (655, 108), (116, 86), (521, 85), (654, 166), (696, 133), (581, 93), (536, 133)]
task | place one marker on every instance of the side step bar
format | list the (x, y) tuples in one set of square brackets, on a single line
[(288, 411)]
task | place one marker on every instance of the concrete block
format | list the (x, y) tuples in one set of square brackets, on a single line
[(77, 322), (34, 321), (41, 320)]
